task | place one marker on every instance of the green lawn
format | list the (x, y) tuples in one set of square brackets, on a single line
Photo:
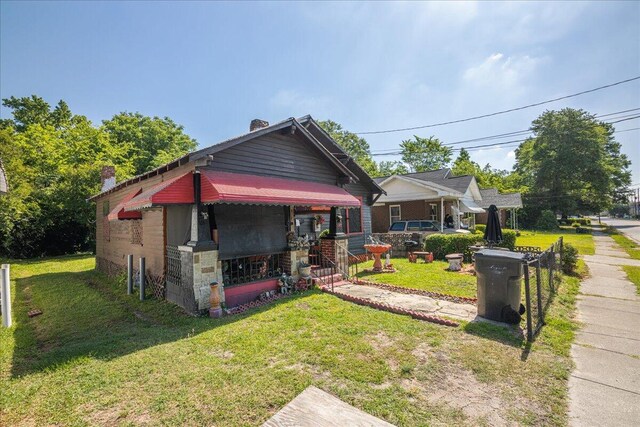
[(627, 244), (633, 273), (432, 277), (99, 357), (544, 239)]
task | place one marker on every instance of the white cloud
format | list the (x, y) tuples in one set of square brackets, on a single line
[(505, 71), (511, 154)]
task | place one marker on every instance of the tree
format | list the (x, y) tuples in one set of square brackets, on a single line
[(425, 154), (152, 141), (388, 168), (355, 146), (53, 160), (572, 163)]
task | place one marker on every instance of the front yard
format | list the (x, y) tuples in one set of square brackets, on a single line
[(97, 356)]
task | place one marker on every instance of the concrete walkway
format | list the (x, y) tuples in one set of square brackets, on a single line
[(428, 305), (604, 388), (316, 408)]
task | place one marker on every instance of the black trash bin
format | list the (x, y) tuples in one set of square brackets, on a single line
[(499, 277)]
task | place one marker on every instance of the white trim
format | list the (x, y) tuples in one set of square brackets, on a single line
[(391, 221)]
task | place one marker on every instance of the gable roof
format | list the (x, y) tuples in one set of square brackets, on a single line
[(3, 180), (491, 196), (440, 177), (352, 170)]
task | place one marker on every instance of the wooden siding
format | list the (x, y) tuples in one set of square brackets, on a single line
[(357, 241), (283, 156), (119, 244)]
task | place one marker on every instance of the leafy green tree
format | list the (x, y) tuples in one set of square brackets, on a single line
[(486, 176), (151, 141), (394, 167), (53, 160), (425, 154), (572, 163), (356, 147)]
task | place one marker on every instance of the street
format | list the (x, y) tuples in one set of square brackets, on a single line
[(629, 227)]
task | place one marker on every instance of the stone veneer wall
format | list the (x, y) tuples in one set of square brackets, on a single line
[(396, 240)]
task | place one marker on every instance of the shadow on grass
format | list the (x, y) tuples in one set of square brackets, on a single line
[(511, 335), (88, 315)]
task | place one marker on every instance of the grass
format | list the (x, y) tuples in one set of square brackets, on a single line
[(627, 244), (633, 273), (97, 356), (543, 239), (431, 277)]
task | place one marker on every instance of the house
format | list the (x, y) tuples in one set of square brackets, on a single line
[(4, 187), (226, 218), (435, 194)]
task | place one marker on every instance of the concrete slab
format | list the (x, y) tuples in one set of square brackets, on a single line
[(609, 260), (589, 408), (608, 287), (316, 408), (413, 302), (604, 388)]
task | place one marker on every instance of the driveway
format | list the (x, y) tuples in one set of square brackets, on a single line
[(630, 227)]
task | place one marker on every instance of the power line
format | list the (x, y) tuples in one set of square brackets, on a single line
[(501, 112), (626, 130), (516, 133)]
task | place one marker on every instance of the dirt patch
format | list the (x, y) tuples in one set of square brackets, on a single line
[(221, 353), (459, 389), (114, 416), (303, 306), (381, 341)]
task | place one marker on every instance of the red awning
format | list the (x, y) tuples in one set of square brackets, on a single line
[(225, 187), (119, 213), (177, 190)]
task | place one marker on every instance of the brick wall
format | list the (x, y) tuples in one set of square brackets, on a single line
[(482, 218)]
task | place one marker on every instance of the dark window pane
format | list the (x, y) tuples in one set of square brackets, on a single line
[(397, 226), (355, 224)]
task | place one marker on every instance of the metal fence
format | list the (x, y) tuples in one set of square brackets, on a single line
[(542, 275)]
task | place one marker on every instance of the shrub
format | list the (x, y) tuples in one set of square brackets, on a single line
[(547, 221), (480, 228), (444, 244), (569, 258), (508, 239), (575, 224), (582, 230)]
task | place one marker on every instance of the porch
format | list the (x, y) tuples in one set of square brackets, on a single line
[(240, 234)]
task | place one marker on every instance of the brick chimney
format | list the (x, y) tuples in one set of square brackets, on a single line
[(258, 124), (108, 177)]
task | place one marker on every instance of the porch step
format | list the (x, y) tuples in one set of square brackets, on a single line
[(320, 271), (335, 284), (320, 280)]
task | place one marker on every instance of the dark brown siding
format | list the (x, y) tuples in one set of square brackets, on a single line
[(283, 156), (415, 209)]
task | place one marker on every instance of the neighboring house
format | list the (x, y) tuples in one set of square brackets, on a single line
[(222, 214), (507, 204), (433, 195), (4, 187)]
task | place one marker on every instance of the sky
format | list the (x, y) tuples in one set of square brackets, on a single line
[(212, 67)]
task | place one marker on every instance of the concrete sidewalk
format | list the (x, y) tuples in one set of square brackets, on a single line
[(604, 388)]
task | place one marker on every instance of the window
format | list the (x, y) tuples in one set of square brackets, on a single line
[(354, 220), (413, 226), (394, 213), (428, 226), (397, 226), (105, 208), (434, 211)]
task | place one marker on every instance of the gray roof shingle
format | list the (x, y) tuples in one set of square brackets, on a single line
[(490, 196)]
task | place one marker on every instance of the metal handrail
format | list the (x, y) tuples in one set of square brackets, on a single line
[(324, 261)]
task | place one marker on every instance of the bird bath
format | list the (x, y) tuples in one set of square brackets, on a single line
[(377, 250)]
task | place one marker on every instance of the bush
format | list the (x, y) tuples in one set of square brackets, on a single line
[(547, 221), (444, 244), (508, 239), (569, 258), (480, 228), (582, 230), (575, 224)]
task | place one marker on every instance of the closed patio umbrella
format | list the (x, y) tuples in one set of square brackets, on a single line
[(493, 232)]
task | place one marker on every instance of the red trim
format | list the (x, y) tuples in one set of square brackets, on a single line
[(241, 294), (178, 190), (226, 187), (118, 213)]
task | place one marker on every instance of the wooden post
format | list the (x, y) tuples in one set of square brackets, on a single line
[(5, 280), (143, 278), (129, 274)]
